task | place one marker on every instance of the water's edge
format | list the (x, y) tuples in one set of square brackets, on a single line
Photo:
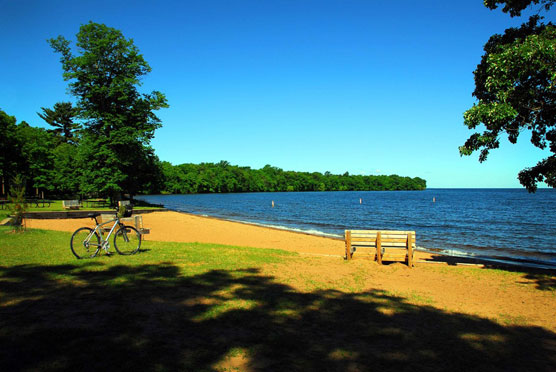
[(443, 252), (501, 225)]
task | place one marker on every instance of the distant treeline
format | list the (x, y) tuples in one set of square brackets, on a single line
[(223, 177), (59, 165)]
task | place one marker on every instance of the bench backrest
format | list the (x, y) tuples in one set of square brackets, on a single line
[(70, 203), (394, 244)]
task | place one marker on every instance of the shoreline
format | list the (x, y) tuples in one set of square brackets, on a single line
[(179, 226), (517, 235), (466, 260)]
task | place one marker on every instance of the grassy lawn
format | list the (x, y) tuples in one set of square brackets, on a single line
[(197, 307), (56, 206)]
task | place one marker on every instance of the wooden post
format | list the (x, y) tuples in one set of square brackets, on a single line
[(409, 250), (348, 244), (379, 247)]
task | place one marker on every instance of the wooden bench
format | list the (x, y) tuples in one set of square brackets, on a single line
[(136, 221), (383, 245), (71, 204)]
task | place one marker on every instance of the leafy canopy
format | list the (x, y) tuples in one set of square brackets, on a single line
[(516, 92), (515, 7), (119, 122)]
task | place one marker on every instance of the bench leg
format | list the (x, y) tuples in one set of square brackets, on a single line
[(348, 245), (379, 248), (409, 250)]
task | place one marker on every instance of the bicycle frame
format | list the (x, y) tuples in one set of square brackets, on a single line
[(98, 229)]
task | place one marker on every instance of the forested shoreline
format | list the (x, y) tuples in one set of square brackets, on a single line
[(223, 178), (53, 165)]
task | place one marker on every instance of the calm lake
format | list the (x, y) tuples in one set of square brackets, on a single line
[(503, 224)]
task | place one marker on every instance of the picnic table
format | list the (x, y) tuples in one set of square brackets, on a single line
[(39, 202)]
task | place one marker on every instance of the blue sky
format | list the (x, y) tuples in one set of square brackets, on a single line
[(368, 87)]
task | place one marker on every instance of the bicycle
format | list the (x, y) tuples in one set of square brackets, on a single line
[(86, 242)]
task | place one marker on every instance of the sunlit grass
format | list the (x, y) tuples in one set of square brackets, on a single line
[(47, 247), (57, 206)]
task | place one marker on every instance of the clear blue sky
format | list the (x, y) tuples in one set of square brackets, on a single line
[(368, 87)]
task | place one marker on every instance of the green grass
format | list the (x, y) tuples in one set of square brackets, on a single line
[(46, 247), (56, 206), (206, 307), (3, 214)]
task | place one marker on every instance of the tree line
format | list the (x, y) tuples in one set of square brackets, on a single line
[(222, 178), (60, 165), (57, 162)]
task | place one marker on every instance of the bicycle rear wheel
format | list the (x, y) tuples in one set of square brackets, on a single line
[(127, 240), (81, 246)]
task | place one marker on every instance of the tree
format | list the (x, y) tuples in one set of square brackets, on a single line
[(37, 147), (17, 206), (66, 173), (118, 121), (61, 118), (12, 161), (515, 84), (515, 7)]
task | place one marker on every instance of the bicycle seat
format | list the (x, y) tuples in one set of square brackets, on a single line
[(93, 215)]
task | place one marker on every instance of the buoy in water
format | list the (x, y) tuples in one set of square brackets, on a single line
[(273, 204), (360, 201), (433, 199)]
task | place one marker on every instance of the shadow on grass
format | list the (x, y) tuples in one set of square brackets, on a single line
[(153, 317)]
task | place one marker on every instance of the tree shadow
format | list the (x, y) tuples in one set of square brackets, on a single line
[(153, 317)]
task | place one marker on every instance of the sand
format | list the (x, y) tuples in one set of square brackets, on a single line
[(183, 227), (525, 297)]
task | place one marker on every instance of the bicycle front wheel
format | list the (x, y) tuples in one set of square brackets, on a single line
[(127, 240), (84, 243)]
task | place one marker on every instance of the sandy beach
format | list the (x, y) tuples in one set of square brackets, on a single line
[(527, 295), (183, 227)]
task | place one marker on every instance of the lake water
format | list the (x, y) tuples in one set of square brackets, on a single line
[(503, 224)]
